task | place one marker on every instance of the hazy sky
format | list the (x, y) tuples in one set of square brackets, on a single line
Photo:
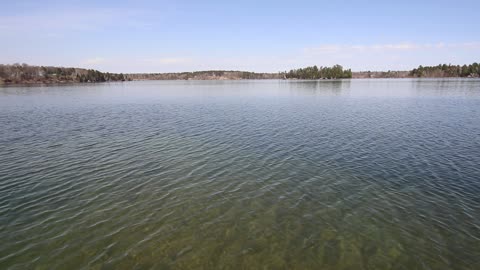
[(271, 36)]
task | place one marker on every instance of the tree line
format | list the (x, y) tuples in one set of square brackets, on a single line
[(445, 70), (206, 75), (315, 73), (96, 76), (23, 73)]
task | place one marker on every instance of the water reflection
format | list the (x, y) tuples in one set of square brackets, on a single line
[(152, 91), (445, 87), (318, 87)]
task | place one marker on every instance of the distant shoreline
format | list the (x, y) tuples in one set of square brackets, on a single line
[(24, 74), (48, 83)]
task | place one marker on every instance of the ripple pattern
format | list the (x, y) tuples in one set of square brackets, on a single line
[(310, 177)]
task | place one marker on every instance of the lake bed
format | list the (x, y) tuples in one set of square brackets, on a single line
[(273, 174)]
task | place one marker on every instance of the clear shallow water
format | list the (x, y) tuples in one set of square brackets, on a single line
[(361, 174)]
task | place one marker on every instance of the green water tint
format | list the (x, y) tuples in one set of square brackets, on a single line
[(228, 179), (222, 230)]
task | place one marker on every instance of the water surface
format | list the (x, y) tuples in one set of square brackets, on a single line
[(352, 174)]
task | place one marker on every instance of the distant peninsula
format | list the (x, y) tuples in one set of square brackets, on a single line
[(27, 74)]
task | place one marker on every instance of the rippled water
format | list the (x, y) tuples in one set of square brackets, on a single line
[(361, 174)]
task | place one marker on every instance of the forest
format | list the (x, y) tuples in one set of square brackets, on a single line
[(445, 70), (206, 75), (315, 73), (23, 73)]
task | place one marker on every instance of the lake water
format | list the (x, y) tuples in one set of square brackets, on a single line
[(353, 174)]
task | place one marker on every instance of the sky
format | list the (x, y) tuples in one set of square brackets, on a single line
[(261, 36)]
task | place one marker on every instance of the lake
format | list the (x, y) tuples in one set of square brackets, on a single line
[(347, 174)]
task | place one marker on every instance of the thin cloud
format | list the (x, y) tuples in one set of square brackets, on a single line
[(389, 47), (62, 20)]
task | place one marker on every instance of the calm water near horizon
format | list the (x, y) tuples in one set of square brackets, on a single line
[(351, 174)]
